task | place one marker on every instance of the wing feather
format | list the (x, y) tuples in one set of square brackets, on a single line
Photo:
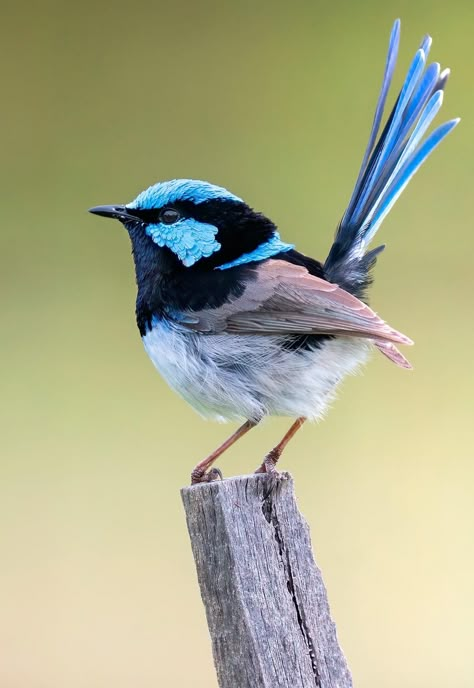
[(287, 299)]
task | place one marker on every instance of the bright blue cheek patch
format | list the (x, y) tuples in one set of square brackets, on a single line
[(189, 239)]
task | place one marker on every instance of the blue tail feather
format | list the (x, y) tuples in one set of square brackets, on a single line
[(425, 44), (393, 134), (414, 108), (443, 77), (386, 83), (389, 164), (407, 171), (400, 155)]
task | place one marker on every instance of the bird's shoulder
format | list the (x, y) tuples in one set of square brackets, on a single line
[(294, 257), (196, 289)]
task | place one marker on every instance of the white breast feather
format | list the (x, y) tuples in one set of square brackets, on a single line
[(233, 377)]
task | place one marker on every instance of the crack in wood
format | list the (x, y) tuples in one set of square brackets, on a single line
[(271, 516)]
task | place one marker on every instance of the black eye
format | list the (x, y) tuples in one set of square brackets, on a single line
[(169, 216)]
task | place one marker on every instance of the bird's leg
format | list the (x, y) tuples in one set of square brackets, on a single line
[(200, 474), (270, 461)]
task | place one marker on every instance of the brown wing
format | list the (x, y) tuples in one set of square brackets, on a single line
[(286, 299)]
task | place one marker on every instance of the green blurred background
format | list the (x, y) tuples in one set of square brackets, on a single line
[(273, 100)]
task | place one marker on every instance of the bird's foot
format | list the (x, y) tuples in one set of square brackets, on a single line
[(269, 463), (200, 475)]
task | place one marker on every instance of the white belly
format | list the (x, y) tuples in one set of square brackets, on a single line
[(231, 377)]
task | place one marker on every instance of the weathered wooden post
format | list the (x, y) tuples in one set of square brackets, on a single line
[(265, 599)]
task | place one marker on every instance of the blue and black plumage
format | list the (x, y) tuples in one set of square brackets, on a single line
[(239, 322)]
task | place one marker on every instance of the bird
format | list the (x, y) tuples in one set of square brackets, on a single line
[(241, 324)]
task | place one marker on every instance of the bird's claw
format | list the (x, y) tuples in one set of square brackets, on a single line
[(200, 476), (269, 464)]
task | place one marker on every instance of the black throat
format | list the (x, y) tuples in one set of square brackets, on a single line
[(165, 285)]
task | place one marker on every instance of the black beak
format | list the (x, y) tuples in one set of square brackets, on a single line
[(119, 212)]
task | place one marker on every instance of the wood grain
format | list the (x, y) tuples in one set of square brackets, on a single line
[(265, 600)]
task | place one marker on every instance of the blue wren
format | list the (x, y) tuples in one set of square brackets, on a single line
[(239, 322)]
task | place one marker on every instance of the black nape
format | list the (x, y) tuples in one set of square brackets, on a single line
[(240, 228)]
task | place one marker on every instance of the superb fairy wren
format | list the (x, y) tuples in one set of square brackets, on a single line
[(241, 324)]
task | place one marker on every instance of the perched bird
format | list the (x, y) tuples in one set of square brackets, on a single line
[(241, 324)]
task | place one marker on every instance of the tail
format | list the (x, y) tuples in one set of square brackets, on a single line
[(389, 164)]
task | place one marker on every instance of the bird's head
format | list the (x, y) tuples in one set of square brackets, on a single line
[(195, 223)]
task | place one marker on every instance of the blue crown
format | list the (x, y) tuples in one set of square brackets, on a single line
[(163, 193)]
